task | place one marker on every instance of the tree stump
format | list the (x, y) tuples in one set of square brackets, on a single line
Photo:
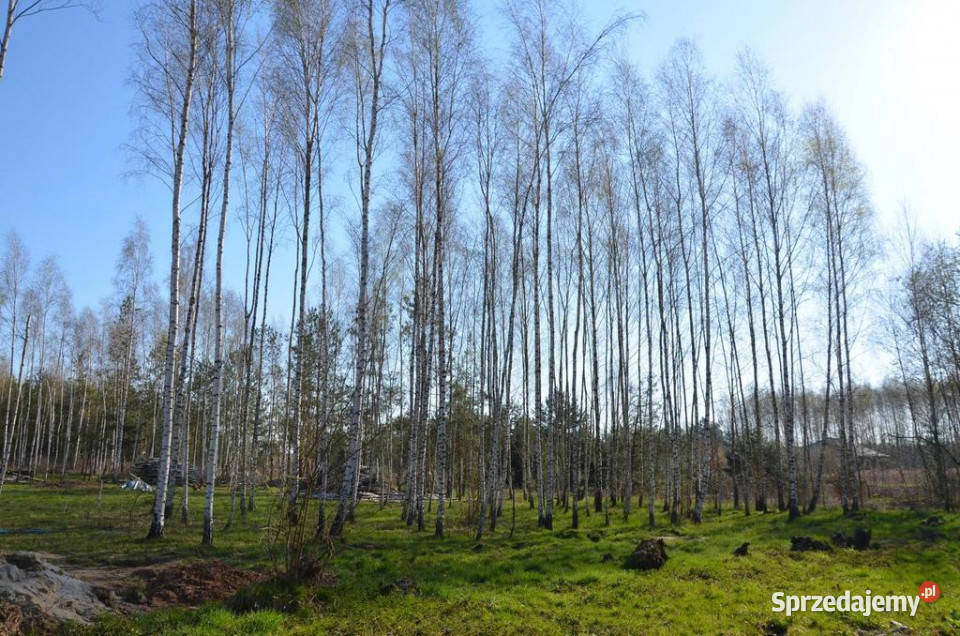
[(650, 554)]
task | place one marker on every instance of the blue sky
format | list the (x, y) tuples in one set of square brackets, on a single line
[(888, 69)]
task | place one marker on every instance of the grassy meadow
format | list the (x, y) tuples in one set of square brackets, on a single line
[(386, 578)]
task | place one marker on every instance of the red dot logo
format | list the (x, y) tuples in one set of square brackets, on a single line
[(929, 592)]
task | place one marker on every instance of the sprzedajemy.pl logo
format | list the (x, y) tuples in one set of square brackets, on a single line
[(865, 604)]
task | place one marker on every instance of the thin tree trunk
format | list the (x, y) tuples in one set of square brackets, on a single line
[(157, 524)]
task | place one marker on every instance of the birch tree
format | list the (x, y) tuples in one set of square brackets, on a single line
[(18, 10), (368, 53), (168, 53)]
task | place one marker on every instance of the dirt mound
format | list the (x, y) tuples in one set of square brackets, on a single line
[(649, 554), (194, 583), (37, 595), (859, 541), (807, 544)]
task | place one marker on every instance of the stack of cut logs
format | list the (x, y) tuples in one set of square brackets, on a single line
[(147, 468)]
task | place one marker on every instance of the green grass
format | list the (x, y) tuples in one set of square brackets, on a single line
[(112, 531), (533, 582)]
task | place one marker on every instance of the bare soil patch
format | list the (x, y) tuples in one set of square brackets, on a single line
[(192, 584)]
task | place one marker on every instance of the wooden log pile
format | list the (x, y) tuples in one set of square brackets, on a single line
[(147, 469), (15, 476)]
